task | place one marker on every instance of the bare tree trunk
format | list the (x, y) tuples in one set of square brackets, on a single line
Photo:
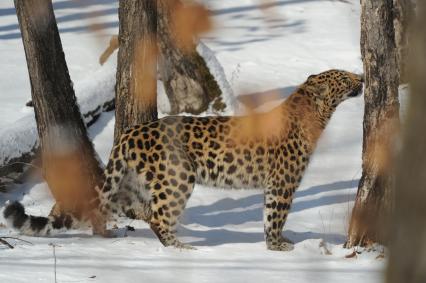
[(136, 90), (188, 82), (408, 230), (15, 167), (70, 166), (403, 15), (374, 197)]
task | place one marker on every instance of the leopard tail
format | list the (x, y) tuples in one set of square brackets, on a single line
[(31, 225)]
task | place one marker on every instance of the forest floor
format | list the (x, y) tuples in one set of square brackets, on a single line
[(264, 55)]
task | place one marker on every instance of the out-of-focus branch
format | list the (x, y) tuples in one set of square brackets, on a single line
[(407, 262)]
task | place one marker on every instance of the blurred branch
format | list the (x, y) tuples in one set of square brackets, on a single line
[(4, 242), (113, 45), (407, 262)]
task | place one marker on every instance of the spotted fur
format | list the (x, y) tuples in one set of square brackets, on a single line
[(153, 168)]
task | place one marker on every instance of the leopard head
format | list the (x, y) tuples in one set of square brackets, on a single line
[(330, 88)]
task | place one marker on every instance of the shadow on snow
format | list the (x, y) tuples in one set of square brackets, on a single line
[(215, 217), (14, 32)]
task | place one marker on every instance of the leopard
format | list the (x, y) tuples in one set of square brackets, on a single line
[(154, 166)]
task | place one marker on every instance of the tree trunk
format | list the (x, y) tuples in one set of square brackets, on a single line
[(16, 166), (70, 164), (374, 197), (136, 90), (403, 15), (408, 230), (188, 82)]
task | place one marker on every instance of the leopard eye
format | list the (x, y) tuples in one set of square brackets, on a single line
[(347, 82)]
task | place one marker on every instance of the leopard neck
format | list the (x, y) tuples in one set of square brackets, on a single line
[(307, 117)]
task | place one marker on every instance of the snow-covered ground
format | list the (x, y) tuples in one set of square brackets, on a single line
[(264, 54)]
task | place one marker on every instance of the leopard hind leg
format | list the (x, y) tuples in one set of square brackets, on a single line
[(170, 193), (104, 206)]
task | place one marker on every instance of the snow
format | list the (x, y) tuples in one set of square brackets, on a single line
[(17, 138), (264, 54)]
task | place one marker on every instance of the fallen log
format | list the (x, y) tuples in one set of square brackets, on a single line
[(19, 142)]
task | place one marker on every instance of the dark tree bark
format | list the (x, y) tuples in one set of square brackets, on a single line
[(374, 197), (407, 249), (136, 90), (16, 169), (188, 82), (70, 166)]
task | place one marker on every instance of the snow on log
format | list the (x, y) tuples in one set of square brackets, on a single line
[(218, 73), (19, 141)]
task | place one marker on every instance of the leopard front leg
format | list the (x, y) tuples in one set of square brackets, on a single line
[(276, 207)]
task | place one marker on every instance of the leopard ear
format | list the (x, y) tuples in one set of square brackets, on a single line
[(317, 91)]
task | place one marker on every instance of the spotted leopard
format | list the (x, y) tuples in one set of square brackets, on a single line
[(153, 168)]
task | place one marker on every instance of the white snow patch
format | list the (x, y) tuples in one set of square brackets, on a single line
[(18, 138)]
